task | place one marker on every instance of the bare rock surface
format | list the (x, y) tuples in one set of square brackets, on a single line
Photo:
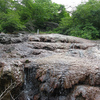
[(49, 67), (85, 93), (57, 38)]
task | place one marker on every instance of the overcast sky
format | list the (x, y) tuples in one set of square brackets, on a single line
[(69, 3)]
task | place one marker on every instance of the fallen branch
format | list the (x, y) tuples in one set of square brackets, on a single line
[(13, 85), (12, 96)]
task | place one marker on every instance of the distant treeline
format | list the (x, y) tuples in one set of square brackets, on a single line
[(31, 15)]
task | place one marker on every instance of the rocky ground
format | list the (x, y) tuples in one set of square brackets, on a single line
[(49, 67)]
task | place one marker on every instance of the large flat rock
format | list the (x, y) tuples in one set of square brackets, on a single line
[(49, 67)]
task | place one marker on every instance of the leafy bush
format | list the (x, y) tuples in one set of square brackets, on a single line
[(65, 24), (0, 28), (11, 22), (87, 31)]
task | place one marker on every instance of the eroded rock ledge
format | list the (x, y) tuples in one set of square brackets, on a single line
[(48, 67)]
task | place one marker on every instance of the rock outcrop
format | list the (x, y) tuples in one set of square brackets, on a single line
[(49, 67)]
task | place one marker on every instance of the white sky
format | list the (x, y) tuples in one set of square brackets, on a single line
[(69, 3)]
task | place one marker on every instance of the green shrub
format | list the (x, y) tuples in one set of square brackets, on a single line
[(11, 22), (85, 31)]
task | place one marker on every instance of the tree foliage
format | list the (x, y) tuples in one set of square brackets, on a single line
[(44, 15), (84, 21), (29, 14)]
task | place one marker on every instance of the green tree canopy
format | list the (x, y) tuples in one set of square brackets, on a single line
[(84, 21), (30, 14), (42, 11)]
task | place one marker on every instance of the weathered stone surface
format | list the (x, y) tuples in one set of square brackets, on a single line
[(57, 38), (49, 67), (11, 76), (10, 38), (85, 93), (64, 71)]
